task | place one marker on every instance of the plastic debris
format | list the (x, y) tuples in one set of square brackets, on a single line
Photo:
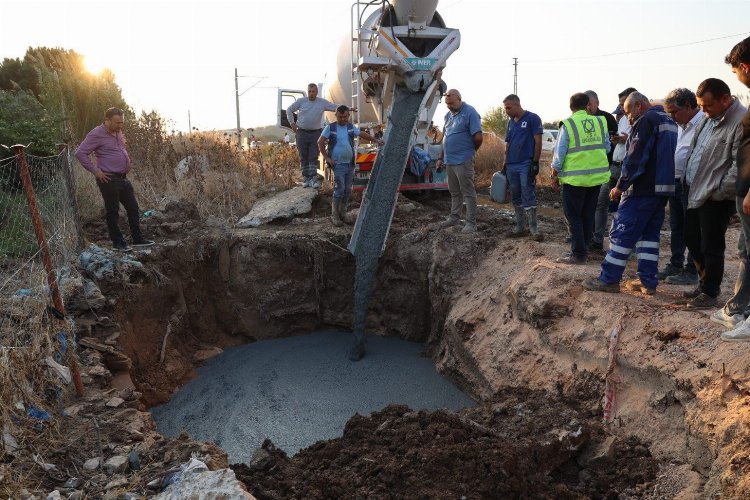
[(61, 371), (24, 292), (37, 413), (149, 213)]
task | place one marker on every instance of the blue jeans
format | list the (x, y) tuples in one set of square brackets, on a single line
[(637, 225), (343, 176), (579, 205), (677, 210), (522, 185)]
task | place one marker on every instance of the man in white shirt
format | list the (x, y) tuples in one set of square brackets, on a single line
[(682, 105)]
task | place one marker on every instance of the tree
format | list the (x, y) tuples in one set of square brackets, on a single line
[(59, 80), (551, 125), (496, 120), (24, 120)]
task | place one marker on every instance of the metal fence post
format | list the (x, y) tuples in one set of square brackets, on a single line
[(70, 183), (36, 219)]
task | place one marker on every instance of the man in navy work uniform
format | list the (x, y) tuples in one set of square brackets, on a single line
[(580, 164), (107, 142), (308, 127), (523, 147), (645, 185), (336, 144), (462, 137)]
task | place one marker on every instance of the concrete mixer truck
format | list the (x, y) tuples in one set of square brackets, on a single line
[(398, 44)]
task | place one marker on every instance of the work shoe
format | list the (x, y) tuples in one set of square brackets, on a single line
[(143, 242), (669, 270), (315, 184), (307, 183), (682, 278), (451, 220), (703, 301), (121, 247), (691, 294), (469, 228), (636, 285), (739, 334), (597, 285), (571, 259), (721, 317)]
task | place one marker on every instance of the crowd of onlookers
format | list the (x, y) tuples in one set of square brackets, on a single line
[(692, 152)]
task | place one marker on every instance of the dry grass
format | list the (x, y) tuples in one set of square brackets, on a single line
[(488, 159), (218, 178)]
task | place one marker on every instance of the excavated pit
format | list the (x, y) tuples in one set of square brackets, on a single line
[(498, 317), (300, 390)]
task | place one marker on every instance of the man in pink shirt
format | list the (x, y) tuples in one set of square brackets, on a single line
[(107, 143)]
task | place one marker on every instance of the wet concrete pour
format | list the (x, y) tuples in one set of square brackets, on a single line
[(299, 390)]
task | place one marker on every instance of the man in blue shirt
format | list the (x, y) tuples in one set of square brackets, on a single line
[(462, 136), (523, 147), (336, 144)]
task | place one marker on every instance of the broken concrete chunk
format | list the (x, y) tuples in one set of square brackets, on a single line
[(285, 205), (115, 402), (209, 484), (118, 463), (91, 464)]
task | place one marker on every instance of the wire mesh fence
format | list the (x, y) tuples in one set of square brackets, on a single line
[(24, 284)]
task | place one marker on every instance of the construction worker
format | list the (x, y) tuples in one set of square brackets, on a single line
[(308, 126), (580, 164), (339, 155), (523, 147), (645, 184)]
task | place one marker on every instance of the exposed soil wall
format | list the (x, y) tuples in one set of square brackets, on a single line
[(498, 315)]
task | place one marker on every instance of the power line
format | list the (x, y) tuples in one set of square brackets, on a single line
[(638, 50)]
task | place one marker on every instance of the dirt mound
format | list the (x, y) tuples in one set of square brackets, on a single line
[(524, 445)]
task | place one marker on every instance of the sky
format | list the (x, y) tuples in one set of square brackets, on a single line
[(177, 57)]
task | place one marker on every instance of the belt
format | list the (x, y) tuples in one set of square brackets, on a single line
[(311, 130), (116, 175), (617, 164)]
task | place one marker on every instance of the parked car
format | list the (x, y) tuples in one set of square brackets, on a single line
[(549, 139)]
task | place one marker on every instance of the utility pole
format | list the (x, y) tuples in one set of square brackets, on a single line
[(237, 104), (190, 125), (515, 78)]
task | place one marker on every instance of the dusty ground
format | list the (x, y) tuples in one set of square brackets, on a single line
[(497, 314)]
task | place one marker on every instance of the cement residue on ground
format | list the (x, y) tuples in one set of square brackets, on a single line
[(299, 390)]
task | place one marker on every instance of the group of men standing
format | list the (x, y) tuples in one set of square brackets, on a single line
[(693, 154)]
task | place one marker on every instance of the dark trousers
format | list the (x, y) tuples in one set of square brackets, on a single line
[(740, 301), (579, 207), (120, 190), (705, 228), (307, 146), (677, 209), (602, 204)]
